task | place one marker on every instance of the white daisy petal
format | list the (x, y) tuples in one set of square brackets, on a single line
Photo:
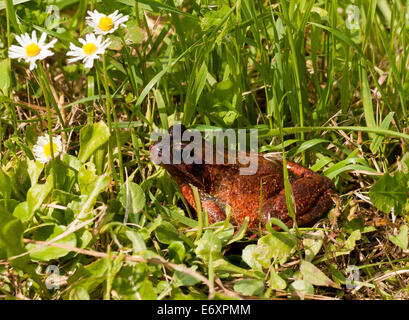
[(74, 59), (32, 65), (92, 48), (42, 149), (89, 63), (26, 39), (42, 39), (31, 49), (105, 24), (51, 44), (20, 41), (34, 36)]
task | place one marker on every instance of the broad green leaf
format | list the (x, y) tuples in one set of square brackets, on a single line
[(127, 277), (178, 214), (76, 205), (84, 237), (315, 276), (134, 33), (390, 192), (138, 244), (347, 247), (350, 243), (86, 203), (301, 288), (401, 239), (34, 169), (11, 241), (312, 243), (209, 245), (132, 198), (116, 43), (87, 178), (79, 293), (73, 165), (5, 80), (277, 246), (224, 91), (92, 137), (249, 287), (337, 275), (177, 251), (225, 233), (5, 183), (248, 257), (71, 161), (184, 279), (276, 282), (86, 279), (38, 193), (49, 253), (166, 233), (21, 211), (146, 291), (263, 254), (95, 269), (10, 204)]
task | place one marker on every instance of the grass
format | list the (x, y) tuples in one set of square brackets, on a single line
[(331, 98)]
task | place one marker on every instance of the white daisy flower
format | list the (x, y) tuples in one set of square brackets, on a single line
[(42, 150), (104, 24), (91, 48), (30, 49)]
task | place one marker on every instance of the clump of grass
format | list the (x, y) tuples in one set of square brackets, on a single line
[(328, 90)]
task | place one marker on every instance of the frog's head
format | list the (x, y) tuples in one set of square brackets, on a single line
[(180, 152)]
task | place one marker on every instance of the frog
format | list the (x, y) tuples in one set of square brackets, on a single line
[(259, 196)]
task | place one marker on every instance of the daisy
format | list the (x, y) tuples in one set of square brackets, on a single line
[(103, 24), (91, 48), (42, 150), (30, 49)]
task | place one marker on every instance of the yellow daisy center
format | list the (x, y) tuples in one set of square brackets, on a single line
[(105, 23), (89, 48), (32, 50), (47, 149)]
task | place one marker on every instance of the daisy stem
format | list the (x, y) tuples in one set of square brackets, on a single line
[(50, 95), (109, 107)]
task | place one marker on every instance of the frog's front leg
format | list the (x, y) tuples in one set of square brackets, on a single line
[(311, 197), (208, 203)]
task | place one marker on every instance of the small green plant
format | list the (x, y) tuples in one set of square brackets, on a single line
[(84, 83)]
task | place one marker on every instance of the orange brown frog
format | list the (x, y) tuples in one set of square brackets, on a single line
[(222, 184)]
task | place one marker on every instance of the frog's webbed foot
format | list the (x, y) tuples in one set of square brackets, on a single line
[(311, 196)]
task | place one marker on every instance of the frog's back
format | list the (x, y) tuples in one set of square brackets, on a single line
[(242, 192)]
